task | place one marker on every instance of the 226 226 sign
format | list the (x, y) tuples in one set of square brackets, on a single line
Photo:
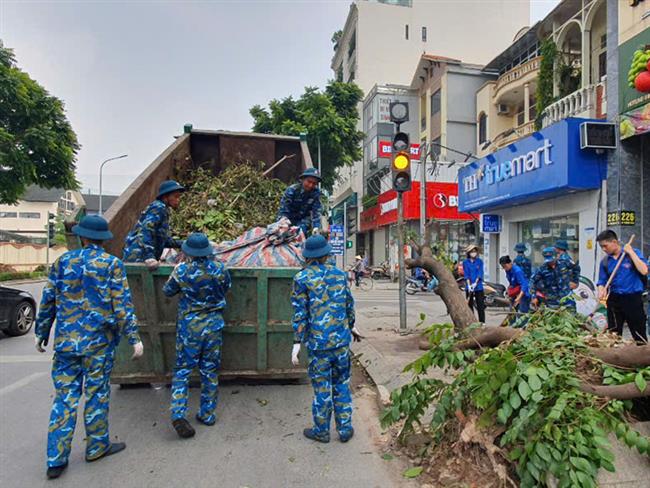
[(624, 217)]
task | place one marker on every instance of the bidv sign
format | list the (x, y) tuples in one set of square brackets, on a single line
[(496, 172)]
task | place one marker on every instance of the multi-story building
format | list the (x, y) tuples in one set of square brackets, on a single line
[(382, 41), (29, 216), (538, 186)]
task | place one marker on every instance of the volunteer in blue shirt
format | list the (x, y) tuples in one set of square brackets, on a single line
[(624, 296), (519, 290), (473, 273)]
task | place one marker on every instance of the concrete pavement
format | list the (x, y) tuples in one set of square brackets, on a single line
[(256, 443)]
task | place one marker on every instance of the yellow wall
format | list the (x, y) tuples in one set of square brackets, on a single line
[(629, 20)]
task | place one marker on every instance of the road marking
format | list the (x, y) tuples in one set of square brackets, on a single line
[(30, 358), (20, 383)]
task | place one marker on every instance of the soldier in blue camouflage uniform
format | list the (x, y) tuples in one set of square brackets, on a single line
[(324, 320), (150, 235), (550, 282), (301, 202), (203, 284), (522, 261), (570, 269), (88, 296)]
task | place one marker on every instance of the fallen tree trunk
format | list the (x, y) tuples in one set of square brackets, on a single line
[(628, 391), (489, 336), (625, 357), (461, 315)]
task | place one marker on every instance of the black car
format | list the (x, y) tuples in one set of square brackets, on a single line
[(17, 311)]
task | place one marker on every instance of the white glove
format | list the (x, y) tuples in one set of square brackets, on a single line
[(356, 335), (152, 264), (39, 343), (315, 231), (138, 350), (294, 355)]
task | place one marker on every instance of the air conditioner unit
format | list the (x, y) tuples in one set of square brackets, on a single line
[(503, 109)]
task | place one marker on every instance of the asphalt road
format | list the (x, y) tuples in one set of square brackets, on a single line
[(257, 441)]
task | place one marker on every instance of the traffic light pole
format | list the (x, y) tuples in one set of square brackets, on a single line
[(400, 261), (47, 245)]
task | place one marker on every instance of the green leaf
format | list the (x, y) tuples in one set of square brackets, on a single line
[(515, 453), (515, 401), (543, 452), (537, 397), (524, 390), (413, 472), (605, 454), (608, 466), (387, 457), (582, 464), (534, 382), (640, 382)]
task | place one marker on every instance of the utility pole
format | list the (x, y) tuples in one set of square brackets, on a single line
[(345, 232), (423, 189), (400, 263)]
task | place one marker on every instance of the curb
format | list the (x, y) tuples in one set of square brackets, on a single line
[(23, 282)]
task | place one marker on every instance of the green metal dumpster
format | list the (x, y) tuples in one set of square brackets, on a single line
[(257, 337)]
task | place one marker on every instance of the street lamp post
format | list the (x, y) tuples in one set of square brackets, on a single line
[(101, 167)]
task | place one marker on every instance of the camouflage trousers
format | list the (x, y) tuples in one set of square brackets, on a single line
[(329, 372), (203, 350), (71, 374)]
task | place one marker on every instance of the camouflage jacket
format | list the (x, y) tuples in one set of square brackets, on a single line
[(323, 307), (569, 268), (301, 207), (203, 284), (150, 235), (524, 263), (551, 283), (89, 298)]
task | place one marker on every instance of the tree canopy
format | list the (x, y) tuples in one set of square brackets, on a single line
[(330, 115), (37, 143)]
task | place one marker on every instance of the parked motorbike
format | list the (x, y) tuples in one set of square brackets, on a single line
[(381, 272), (495, 293)]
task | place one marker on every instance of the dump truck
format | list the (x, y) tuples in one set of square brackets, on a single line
[(258, 336)]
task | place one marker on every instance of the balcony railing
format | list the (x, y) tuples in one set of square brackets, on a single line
[(589, 102), (516, 73), (522, 130)]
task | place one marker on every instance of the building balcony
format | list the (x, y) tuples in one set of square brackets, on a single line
[(520, 131), (589, 102), (524, 73)]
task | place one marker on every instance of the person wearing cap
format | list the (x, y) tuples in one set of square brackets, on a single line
[(625, 294), (519, 290), (473, 274), (150, 235), (202, 284), (522, 261), (301, 202), (548, 283), (88, 297), (324, 321), (570, 269)]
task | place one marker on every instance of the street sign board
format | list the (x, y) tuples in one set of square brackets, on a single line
[(490, 223), (337, 239)]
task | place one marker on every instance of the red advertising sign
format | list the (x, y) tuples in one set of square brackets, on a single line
[(386, 150), (442, 204)]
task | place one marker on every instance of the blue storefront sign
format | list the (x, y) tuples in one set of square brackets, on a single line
[(490, 223), (337, 239), (547, 164)]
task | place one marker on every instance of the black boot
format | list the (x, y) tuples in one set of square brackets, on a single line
[(310, 434), (183, 428), (114, 448), (56, 471)]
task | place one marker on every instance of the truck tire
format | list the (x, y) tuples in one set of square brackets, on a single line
[(22, 320)]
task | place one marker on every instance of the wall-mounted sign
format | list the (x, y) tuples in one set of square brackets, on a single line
[(490, 224), (624, 217), (386, 150), (336, 239), (634, 85), (597, 135)]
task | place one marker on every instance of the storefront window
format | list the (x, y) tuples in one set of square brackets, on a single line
[(541, 233), (452, 237)]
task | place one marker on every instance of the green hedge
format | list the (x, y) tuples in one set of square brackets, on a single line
[(21, 275)]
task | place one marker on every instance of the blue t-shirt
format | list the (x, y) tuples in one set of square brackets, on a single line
[(516, 277), (473, 270), (627, 280)]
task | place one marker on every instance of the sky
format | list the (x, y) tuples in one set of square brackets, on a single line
[(132, 73)]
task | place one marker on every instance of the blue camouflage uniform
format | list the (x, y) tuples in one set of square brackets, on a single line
[(203, 284), (524, 263), (88, 296), (323, 319), (150, 235), (302, 208), (553, 284), (570, 269)]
